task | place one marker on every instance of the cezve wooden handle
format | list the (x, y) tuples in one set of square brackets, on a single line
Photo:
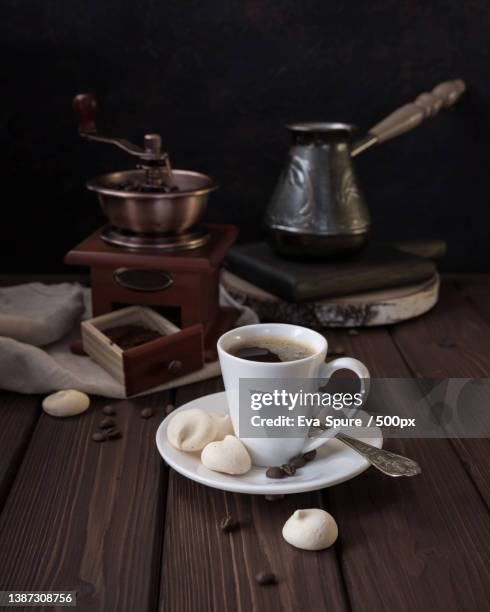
[(410, 115)]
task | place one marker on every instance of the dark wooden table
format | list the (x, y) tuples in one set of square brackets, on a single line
[(114, 523)]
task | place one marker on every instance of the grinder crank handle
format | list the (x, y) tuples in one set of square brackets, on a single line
[(410, 115), (85, 105)]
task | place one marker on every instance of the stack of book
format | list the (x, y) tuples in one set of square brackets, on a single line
[(382, 284)]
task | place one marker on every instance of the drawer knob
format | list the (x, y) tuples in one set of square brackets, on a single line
[(175, 366)]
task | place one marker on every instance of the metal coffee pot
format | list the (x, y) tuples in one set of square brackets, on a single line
[(318, 209)]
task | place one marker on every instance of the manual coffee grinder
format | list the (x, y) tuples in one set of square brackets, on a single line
[(155, 251)]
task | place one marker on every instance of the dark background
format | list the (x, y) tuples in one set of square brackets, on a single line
[(218, 80)]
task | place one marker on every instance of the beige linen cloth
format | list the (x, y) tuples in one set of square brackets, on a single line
[(48, 316)]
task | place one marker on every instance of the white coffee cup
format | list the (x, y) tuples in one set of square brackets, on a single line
[(267, 451)]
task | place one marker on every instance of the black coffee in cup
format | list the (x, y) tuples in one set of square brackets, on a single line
[(271, 349)]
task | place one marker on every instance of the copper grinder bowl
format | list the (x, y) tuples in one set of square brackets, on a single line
[(153, 213)]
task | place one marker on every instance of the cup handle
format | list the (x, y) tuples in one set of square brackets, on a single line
[(342, 363)]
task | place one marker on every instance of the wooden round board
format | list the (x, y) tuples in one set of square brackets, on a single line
[(366, 309)]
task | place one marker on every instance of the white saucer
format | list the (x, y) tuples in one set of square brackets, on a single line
[(334, 462)]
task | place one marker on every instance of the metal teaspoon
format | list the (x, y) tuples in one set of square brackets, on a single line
[(389, 463)]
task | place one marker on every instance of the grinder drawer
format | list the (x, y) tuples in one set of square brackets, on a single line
[(161, 360), (138, 368)]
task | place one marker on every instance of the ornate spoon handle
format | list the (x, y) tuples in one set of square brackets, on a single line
[(390, 464)]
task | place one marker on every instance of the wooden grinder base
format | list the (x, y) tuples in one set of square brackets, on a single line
[(192, 296)]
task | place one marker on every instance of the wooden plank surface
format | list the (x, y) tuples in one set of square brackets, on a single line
[(452, 340), (97, 518), (404, 540), (206, 569), (19, 415), (401, 541), (87, 516), (476, 289)]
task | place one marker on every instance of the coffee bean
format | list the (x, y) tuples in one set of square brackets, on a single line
[(310, 455), (113, 433), (265, 578), (275, 472), (146, 413), (273, 498), (227, 524), (352, 331), (298, 462), (336, 351), (288, 469), (106, 423), (99, 436), (109, 410), (169, 408)]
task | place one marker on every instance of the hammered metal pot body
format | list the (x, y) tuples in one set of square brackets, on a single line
[(317, 208)]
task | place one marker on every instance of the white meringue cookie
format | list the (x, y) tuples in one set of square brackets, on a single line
[(228, 456), (66, 403), (310, 529), (224, 426), (190, 430)]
